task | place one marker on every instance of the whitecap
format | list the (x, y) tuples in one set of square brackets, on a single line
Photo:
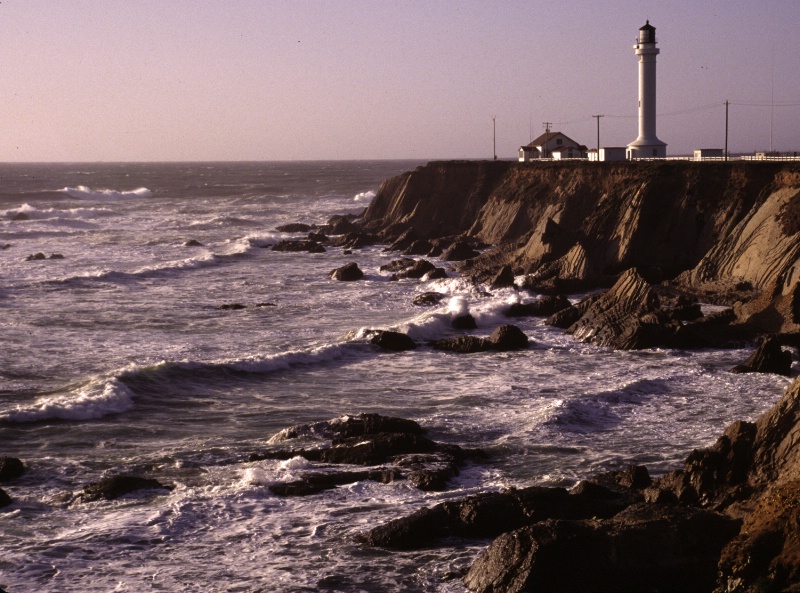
[(96, 399), (83, 191)]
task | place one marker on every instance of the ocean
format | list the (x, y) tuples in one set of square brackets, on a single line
[(119, 357)]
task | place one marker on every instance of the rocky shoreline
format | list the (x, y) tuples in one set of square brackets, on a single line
[(662, 236)]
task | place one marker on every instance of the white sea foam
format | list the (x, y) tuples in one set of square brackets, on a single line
[(29, 212), (364, 196), (83, 191), (98, 398)]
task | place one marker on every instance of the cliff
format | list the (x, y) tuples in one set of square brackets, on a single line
[(710, 228)]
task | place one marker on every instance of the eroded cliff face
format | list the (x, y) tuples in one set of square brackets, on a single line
[(706, 223)]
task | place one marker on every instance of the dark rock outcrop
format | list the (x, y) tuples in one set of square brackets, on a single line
[(5, 499), (462, 344), (544, 307), (428, 299), (398, 445), (390, 340), (459, 252), (114, 487), (11, 468), (464, 322), (347, 273), (643, 548), (503, 339), (508, 337), (294, 227), (768, 358), (299, 245)]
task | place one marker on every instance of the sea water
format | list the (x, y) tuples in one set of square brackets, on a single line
[(119, 357)]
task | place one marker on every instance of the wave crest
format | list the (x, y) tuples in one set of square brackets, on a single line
[(94, 400), (83, 191)]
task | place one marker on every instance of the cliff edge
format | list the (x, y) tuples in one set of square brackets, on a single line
[(715, 230)]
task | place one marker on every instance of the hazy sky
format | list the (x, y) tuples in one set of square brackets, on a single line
[(118, 80)]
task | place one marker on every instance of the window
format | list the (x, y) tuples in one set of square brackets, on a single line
[(558, 141), (655, 152)]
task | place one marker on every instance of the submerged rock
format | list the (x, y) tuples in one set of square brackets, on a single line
[(5, 499)]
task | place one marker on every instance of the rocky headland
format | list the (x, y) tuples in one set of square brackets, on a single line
[(651, 240)]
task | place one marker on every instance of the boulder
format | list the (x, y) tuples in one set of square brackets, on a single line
[(193, 243), (341, 224), (503, 279), (354, 240), (493, 513), (428, 299), (391, 340), (347, 273), (315, 483), (294, 227), (508, 337), (404, 241), (768, 358), (435, 274), (368, 439), (5, 499), (398, 265), (459, 251), (10, 468), (348, 426), (462, 344), (232, 307), (116, 486), (643, 548), (419, 247), (299, 245), (36, 256), (626, 317), (543, 307), (462, 322)]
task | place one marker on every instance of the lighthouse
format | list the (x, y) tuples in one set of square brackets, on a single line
[(647, 145)]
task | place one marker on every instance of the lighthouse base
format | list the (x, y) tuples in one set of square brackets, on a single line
[(646, 149)]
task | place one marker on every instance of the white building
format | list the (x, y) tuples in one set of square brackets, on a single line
[(708, 153), (545, 145), (609, 153), (647, 145)]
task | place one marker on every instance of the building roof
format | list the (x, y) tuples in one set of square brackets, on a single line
[(547, 136)]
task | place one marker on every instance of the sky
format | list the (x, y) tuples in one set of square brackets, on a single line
[(201, 80)]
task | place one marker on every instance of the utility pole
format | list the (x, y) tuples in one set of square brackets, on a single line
[(546, 125), (726, 130), (494, 137), (598, 135)]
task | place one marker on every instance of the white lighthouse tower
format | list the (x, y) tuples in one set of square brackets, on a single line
[(647, 145)]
